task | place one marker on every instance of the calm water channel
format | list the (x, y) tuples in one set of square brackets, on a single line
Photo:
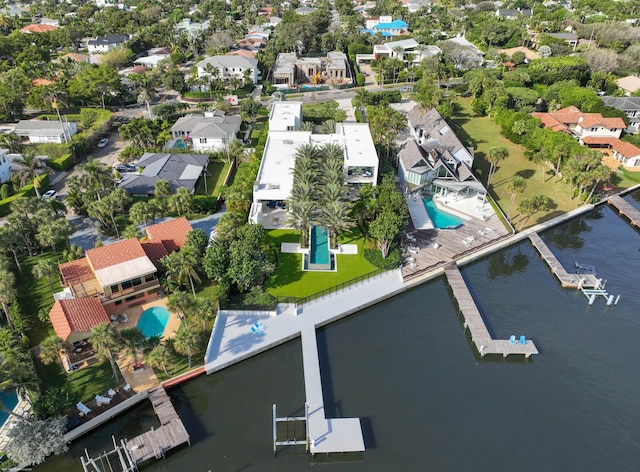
[(426, 401)]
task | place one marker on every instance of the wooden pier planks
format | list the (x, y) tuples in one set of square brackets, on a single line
[(566, 279), (626, 209), (474, 321), (155, 442)]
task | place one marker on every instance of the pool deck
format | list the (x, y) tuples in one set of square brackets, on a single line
[(419, 216), (232, 341)]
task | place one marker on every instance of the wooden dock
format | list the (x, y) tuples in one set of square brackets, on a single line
[(157, 441), (625, 209), (566, 279), (474, 321)]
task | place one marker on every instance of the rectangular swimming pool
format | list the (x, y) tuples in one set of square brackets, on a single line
[(440, 219), (319, 246)]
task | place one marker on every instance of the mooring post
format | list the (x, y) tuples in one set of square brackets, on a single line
[(274, 430)]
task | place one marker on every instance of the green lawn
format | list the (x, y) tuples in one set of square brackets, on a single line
[(483, 133), (216, 173), (289, 280), (35, 295), (241, 170)]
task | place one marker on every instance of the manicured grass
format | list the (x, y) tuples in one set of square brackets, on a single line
[(35, 295), (180, 364), (289, 280), (216, 172), (241, 171), (483, 133)]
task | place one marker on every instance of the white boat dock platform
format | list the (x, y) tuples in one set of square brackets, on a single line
[(473, 320), (232, 341), (326, 435)]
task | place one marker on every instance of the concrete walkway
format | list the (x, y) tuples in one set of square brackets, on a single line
[(347, 107)]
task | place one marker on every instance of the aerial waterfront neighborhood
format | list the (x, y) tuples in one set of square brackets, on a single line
[(187, 186)]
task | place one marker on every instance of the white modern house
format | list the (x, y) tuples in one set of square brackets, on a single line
[(106, 43), (229, 67), (5, 165), (275, 178), (212, 132), (405, 50), (43, 131)]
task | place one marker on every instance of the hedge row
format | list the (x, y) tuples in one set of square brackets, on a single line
[(26, 191), (62, 163)]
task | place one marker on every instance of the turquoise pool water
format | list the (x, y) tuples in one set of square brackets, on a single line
[(153, 321), (179, 144), (10, 400), (319, 248), (440, 219)]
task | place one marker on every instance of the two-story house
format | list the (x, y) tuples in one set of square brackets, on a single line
[(229, 67), (630, 106), (581, 125), (104, 44), (212, 132), (5, 165)]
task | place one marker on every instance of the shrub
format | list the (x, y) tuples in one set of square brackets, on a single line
[(359, 79), (374, 256), (5, 191), (204, 203), (61, 163)]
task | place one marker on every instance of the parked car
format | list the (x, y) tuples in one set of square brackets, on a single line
[(125, 168), (103, 142), (49, 194)]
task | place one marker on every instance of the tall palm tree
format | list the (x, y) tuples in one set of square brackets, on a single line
[(96, 175), (187, 341), (45, 268), (495, 155), (300, 216), (334, 216), (516, 187), (105, 341), (160, 356), (132, 339), (183, 266), (52, 349), (204, 310), (29, 170), (145, 87), (11, 241), (7, 292), (529, 206), (12, 142), (179, 302), (182, 202)]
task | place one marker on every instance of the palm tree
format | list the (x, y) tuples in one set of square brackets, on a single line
[(516, 187), (105, 341), (95, 175), (532, 205), (145, 88), (29, 169), (327, 127), (45, 268), (131, 339), (183, 266), (140, 213), (52, 349), (182, 202), (204, 310), (7, 292), (300, 216), (187, 341), (495, 155), (11, 241), (18, 375), (12, 142), (334, 216), (160, 356), (162, 192), (602, 173), (179, 302)]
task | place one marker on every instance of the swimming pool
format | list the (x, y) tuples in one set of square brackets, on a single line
[(440, 219), (10, 400), (319, 248), (153, 321)]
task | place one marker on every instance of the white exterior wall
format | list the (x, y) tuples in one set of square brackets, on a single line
[(599, 131), (226, 73), (210, 144), (5, 166)]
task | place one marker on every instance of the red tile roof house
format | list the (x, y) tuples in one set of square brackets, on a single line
[(594, 131), (112, 278)]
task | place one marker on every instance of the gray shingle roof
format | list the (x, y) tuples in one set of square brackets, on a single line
[(177, 169), (229, 61), (109, 39), (216, 127), (622, 103)]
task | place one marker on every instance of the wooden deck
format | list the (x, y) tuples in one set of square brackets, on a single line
[(567, 280), (157, 441), (626, 209), (477, 327)]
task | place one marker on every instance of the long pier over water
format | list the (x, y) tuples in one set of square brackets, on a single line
[(473, 320), (625, 209)]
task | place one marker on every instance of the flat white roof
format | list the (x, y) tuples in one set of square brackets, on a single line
[(275, 177), (125, 271), (284, 114)]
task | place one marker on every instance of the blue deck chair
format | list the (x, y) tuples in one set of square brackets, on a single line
[(512, 339), (260, 327), (255, 330), (523, 340)]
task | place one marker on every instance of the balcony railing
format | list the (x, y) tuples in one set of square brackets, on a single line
[(130, 290)]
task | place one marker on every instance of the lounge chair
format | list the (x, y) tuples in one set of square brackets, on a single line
[(127, 387), (260, 327), (111, 392), (523, 340), (102, 400), (84, 409), (255, 330), (512, 339)]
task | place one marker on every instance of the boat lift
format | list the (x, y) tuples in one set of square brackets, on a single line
[(291, 430)]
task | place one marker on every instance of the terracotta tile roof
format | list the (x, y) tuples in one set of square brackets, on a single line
[(243, 53), (559, 120), (77, 271), (172, 233), (626, 149), (155, 250), (76, 315), (116, 253), (41, 82), (38, 28)]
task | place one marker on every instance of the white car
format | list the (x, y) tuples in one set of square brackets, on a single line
[(49, 194), (103, 142)]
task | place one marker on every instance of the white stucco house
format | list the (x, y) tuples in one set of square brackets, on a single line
[(43, 131), (5, 165), (104, 44), (230, 66), (275, 178)]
